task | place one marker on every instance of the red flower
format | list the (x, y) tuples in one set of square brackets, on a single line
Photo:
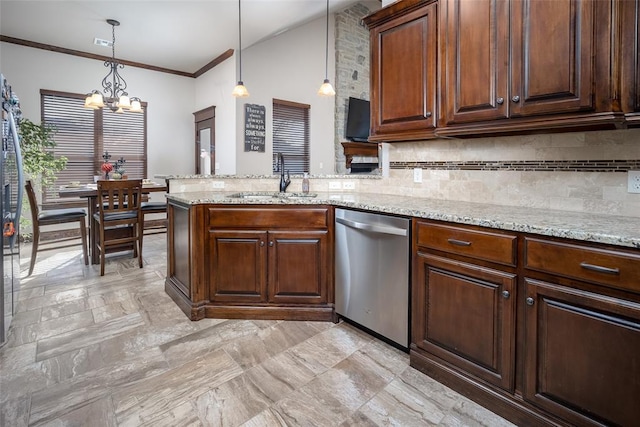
[(107, 167)]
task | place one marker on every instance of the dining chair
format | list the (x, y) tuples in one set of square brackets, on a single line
[(51, 217), (150, 207), (119, 218)]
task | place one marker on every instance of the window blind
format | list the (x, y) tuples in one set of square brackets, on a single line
[(291, 135), (83, 135)]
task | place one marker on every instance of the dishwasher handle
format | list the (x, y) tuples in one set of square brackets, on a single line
[(374, 228)]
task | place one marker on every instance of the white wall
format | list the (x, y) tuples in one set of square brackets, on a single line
[(291, 67), (170, 141), (214, 89)]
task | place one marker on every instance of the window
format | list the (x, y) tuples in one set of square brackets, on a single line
[(83, 135), (291, 135)]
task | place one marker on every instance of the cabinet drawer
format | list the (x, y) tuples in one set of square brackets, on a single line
[(607, 267), (488, 246), (273, 218)]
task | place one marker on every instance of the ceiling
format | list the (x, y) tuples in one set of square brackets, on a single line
[(178, 35)]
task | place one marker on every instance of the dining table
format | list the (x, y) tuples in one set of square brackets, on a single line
[(90, 192)]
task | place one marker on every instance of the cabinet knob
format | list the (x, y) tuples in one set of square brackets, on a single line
[(500, 101), (516, 98), (271, 243), (261, 243), (506, 294), (428, 114), (529, 301)]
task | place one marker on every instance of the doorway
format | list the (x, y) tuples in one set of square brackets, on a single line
[(205, 159)]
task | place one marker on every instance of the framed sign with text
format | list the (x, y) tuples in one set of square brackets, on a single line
[(254, 128)]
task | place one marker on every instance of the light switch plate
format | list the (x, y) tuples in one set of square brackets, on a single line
[(349, 185), (633, 181)]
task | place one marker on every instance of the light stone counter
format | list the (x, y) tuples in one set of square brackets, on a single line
[(609, 229)]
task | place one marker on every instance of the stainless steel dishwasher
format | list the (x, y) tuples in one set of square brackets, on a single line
[(372, 272)]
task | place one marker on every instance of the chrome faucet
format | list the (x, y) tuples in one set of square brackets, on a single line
[(284, 183)]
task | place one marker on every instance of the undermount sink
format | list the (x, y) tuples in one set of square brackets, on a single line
[(261, 195)]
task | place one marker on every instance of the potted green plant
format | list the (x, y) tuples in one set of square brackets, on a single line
[(38, 159)]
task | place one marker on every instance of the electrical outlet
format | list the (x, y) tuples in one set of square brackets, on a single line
[(633, 181), (217, 184), (417, 175), (349, 185), (334, 185)]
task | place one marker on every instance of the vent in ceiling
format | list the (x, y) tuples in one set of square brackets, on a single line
[(101, 42)]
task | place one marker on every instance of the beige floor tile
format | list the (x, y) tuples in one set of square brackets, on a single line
[(115, 350)]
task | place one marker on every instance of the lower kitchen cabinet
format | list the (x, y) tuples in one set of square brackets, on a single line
[(543, 331), (465, 315), (254, 261), (274, 266), (463, 309), (582, 356)]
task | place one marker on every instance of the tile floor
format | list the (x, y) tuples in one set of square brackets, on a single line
[(86, 350)]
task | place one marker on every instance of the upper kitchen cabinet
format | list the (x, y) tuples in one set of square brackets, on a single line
[(629, 15), (524, 65), (403, 45)]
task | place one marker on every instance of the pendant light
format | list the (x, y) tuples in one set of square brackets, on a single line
[(240, 91), (114, 89), (326, 89)]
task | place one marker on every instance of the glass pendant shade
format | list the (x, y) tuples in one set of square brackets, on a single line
[(136, 106), (240, 91), (124, 102), (326, 89)]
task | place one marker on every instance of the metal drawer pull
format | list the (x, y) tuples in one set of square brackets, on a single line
[(599, 268), (459, 242)]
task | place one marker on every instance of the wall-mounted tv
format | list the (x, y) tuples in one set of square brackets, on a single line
[(358, 120)]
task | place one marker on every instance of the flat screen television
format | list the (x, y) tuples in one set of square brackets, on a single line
[(358, 120)]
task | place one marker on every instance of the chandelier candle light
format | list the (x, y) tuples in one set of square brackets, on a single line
[(114, 94)]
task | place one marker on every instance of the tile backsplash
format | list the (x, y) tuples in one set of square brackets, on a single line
[(582, 171)]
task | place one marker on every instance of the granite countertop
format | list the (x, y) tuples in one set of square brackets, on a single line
[(609, 229)]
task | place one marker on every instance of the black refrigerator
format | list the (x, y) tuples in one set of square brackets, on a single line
[(11, 193)]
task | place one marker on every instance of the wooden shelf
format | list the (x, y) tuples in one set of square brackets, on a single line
[(351, 149)]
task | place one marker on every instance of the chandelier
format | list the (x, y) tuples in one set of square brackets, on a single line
[(114, 89)]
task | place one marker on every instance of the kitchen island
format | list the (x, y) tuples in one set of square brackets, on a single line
[(503, 299)]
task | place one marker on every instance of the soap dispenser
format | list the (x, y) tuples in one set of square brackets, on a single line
[(305, 183)]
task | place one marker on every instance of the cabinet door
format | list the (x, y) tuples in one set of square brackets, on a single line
[(630, 59), (298, 264), (552, 56), (464, 314), (582, 355), (403, 76), (475, 79), (238, 270)]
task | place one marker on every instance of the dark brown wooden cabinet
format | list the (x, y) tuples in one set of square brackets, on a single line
[(239, 265), (274, 266), (469, 321), (629, 26), (459, 68), (266, 262), (541, 330), (582, 356), (403, 71), (516, 59)]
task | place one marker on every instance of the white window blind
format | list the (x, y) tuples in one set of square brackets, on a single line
[(82, 135), (291, 135)]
